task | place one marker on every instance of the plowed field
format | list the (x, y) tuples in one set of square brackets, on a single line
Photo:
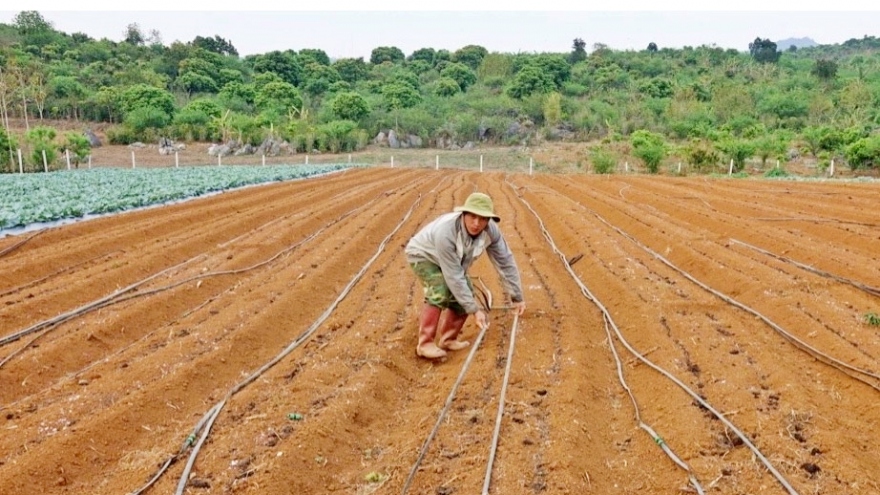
[(681, 335)]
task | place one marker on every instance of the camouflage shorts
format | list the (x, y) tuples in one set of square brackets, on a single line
[(434, 286)]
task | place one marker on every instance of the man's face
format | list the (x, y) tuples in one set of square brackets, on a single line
[(475, 224)]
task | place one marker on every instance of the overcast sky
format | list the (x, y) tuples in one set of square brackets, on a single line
[(342, 31)]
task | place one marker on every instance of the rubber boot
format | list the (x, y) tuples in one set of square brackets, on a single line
[(452, 325), (427, 331)]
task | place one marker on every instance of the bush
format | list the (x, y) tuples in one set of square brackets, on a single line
[(603, 161), (77, 145), (864, 153), (701, 154), (120, 135), (40, 140), (140, 120), (650, 147)]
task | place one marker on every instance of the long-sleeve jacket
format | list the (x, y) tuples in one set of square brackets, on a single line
[(446, 243)]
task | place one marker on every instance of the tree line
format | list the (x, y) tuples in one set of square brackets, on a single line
[(707, 105)]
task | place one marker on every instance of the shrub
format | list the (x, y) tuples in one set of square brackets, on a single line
[(650, 147), (863, 153), (77, 145), (701, 154), (603, 161), (40, 140)]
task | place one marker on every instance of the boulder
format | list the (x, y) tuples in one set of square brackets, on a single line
[(393, 142), (94, 140)]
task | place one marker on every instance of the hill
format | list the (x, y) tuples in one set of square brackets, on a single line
[(783, 45)]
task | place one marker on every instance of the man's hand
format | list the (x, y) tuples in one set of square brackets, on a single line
[(482, 319), (519, 307)]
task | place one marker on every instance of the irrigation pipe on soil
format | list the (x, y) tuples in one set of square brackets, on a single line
[(847, 369), (212, 414), (609, 322), (494, 447), (18, 244), (858, 285), (118, 296), (427, 443)]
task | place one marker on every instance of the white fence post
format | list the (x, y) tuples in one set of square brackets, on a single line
[(219, 159), (481, 163), (626, 167), (437, 161), (67, 156), (90, 161), (531, 162), (176, 160), (392, 161), (730, 171), (307, 159), (20, 167), (831, 170), (45, 164), (264, 158), (132, 160), (349, 158)]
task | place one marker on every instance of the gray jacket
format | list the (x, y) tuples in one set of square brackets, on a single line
[(446, 243)]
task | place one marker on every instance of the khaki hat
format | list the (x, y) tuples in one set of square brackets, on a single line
[(479, 204)]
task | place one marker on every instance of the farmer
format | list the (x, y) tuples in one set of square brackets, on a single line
[(440, 255)]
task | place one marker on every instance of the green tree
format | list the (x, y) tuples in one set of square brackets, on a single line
[(764, 51), (737, 150), (315, 55), (825, 70), (460, 73), (350, 105), (144, 96), (446, 86), (470, 55), (279, 95), (134, 35), (285, 64), (578, 51), (215, 45), (530, 79), (193, 82), (424, 54), (399, 95), (390, 54), (352, 70)]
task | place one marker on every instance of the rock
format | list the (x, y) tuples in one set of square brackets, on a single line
[(94, 140), (393, 142)]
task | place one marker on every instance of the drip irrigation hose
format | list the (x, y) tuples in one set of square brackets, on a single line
[(500, 414), (88, 307), (443, 411), (657, 439), (184, 478), (847, 369), (18, 244), (117, 296), (870, 290)]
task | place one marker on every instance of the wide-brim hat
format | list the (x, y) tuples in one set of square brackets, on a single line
[(479, 204)]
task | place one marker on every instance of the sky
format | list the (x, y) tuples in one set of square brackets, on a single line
[(350, 29)]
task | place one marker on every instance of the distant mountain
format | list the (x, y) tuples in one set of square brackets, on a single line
[(782, 45)]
